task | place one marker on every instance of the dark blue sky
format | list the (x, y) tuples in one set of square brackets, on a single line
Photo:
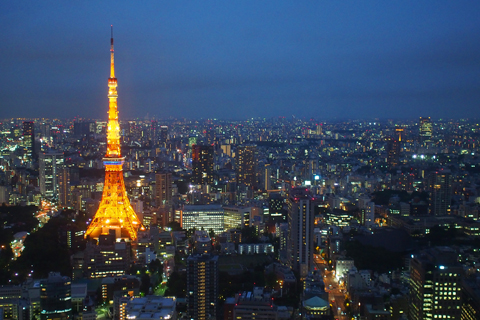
[(241, 59)]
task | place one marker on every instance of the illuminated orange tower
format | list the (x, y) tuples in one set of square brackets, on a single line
[(115, 211)]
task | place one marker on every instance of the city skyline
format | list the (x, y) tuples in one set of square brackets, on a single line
[(245, 60)]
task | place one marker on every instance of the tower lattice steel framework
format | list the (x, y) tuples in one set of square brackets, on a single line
[(115, 211)]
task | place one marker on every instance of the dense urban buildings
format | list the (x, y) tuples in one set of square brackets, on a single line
[(320, 199), (274, 218)]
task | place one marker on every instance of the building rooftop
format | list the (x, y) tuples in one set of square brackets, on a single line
[(151, 307), (315, 303)]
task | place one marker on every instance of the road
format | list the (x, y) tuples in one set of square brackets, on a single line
[(335, 296), (45, 211)]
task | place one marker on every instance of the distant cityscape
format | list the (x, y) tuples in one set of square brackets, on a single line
[(279, 218), (285, 218)]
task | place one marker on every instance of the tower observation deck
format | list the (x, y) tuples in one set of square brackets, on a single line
[(115, 211)]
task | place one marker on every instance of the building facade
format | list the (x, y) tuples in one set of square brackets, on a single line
[(441, 192), (202, 164), (163, 188), (29, 139), (246, 165), (50, 166), (300, 231), (55, 297), (435, 285), (202, 216), (202, 286)]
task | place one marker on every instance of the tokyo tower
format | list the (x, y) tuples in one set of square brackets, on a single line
[(115, 211)]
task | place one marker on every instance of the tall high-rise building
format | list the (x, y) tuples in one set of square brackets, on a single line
[(300, 231), (394, 148), (210, 136), (153, 133), (246, 165), (64, 192), (50, 165), (425, 130), (115, 211), (56, 297), (163, 134), (367, 211), (435, 285), (267, 177), (393, 152), (202, 164), (29, 138), (163, 188), (440, 192), (202, 286), (318, 129)]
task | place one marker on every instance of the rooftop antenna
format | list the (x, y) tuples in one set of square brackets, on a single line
[(111, 39), (112, 64)]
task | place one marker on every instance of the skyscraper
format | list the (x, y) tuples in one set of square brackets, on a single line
[(64, 193), (202, 164), (115, 211), (50, 165), (202, 286), (394, 148), (425, 130), (435, 285), (163, 197), (300, 231), (246, 165), (440, 192), (393, 152), (29, 139), (163, 134), (163, 188)]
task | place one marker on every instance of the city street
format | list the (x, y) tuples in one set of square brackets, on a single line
[(335, 296)]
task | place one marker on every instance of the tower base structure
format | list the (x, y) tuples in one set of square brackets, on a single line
[(115, 211)]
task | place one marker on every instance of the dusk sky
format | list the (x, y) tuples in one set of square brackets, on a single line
[(241, 59)]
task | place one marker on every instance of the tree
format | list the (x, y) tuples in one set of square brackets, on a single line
[(249, 235), (377, 259), (156, 270), (145, 285), (176, 284), (155, 266), (211, 233), (44, 252), (270, 279)]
